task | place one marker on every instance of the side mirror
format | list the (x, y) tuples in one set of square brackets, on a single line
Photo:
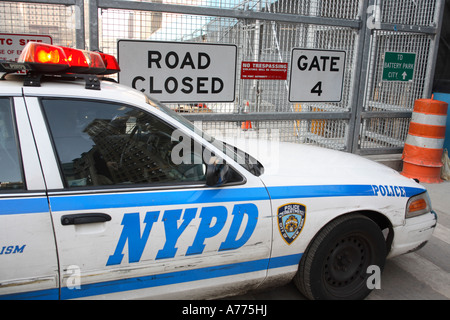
[(216, 173)]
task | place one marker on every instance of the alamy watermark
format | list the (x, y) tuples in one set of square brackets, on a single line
[(74, 277), (374, 280), (263, 144)]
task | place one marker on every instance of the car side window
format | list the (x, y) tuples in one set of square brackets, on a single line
[(100, 144), (11, 176)]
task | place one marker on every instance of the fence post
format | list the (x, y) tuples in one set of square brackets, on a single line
[(438, 17), (80, 32), (360, 78), (93, 25)]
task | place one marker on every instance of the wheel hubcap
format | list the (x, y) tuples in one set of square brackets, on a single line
[(345, 263)]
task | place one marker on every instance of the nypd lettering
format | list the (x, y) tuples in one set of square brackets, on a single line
[(291, 219), (175, 222), (389, 191)]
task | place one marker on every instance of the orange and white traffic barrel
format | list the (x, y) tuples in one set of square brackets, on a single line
[(423, 149), (246, 125)]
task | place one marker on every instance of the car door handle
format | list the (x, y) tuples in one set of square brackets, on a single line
[(82, 218)]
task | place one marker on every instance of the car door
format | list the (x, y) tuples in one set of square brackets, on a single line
[(131, 220), (28, 262)]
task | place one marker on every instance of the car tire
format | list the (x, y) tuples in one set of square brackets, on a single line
[(335, 264)]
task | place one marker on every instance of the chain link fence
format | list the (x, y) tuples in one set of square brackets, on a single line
[(373, 115), (42, 19), (401, 27)]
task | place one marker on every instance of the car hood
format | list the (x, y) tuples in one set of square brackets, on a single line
[(298, 164)]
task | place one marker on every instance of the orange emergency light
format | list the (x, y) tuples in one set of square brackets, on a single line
[(46, 58)]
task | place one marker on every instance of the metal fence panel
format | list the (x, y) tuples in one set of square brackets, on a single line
[(373, 115), (416, 13), (257, 40), (405, 27), (62, 20)]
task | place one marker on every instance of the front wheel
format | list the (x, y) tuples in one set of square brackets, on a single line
[(335, 264)]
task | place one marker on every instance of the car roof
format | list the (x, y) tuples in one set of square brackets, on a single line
[(13, 85), (10, 86)]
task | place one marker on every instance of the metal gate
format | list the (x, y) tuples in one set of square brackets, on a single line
[(373, 116)]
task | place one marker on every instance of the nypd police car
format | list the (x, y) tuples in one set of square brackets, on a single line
[(106, 193)]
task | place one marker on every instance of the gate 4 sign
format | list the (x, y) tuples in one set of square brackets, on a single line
[(316, 75), (179, 71)]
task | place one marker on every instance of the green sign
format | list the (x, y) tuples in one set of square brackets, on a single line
[(398, 66)]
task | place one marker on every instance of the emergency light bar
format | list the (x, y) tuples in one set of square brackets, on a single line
[(46, 58)]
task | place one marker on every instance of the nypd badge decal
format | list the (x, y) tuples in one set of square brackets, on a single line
[(291, 218)]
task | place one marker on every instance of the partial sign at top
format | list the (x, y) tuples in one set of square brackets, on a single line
[(398, 66), (11, 45), (316, 75), (179, 72)]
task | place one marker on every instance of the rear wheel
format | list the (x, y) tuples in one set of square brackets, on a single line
[(335, 264)]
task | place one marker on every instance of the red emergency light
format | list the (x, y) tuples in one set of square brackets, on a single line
[(111, 64), (46, 58)]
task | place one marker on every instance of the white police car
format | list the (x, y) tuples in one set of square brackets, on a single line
[(106, 193)]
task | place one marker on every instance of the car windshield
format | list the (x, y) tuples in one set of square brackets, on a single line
[(244, 159)]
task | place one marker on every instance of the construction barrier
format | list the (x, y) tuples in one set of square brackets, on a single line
[(422, 154), (246, 125)]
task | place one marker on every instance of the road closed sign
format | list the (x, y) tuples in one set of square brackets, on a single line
[(316, 75), (179, 72)]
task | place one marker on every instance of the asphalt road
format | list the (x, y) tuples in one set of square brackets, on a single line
[(421, 275)]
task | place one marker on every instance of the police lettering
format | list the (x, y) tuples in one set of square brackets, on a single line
[(291, 208), (389, 191), (322, 63), (175, 222)]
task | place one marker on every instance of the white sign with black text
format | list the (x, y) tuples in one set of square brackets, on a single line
[(316, 75), (11, 45), (178, 71)]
